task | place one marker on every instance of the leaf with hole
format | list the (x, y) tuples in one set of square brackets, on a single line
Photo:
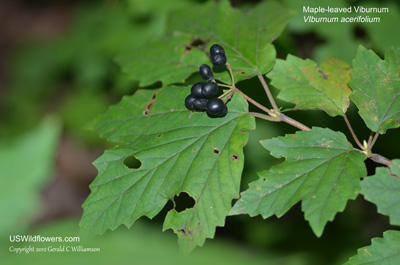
[(310, 86), (383, 189), (168, 60), (180, 152), (321, 169), (376, 88), (246, 37), (383, 251)]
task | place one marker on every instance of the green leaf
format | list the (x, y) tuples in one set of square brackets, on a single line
[(383, 189), (167, 60), (321, 169), (395, 167), (246, 36), (383, 251), (25, 167), (310, 86), (179, 151), (376, 88)]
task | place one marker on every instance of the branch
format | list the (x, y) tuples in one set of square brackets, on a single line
[(266, 88), (374, 140), (263, 116), (352, 132), (255, 103), (380, 159), (294, 123)]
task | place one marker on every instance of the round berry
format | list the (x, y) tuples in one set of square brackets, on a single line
[(216, 48), (210, 89), (200, 103), (215, 107), (206, 73), (189, 102), (224, 112), (218, 59), (197, 90)]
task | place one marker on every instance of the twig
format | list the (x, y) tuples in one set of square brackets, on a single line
[(374, 140), (224, 85), (268, 92), (255, 103), (352, 132), (294, 123), (263, 116), (380, 159), (370, 138), (230, 72)]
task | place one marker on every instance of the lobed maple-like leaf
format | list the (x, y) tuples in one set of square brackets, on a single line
[(383, 251), (383, 189), (321, 169), (245, 36), (310, 86), (179, 151), (376, 88), (167, 60)]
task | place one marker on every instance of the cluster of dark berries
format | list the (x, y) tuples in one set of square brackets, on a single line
[(201, 94)]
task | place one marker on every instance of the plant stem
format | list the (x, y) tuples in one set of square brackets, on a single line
[(380, 159), (224, 85), (224, 94), (374, 140), (268, 92), (230, 72), (352, 132), (294, 123), (255, 103), (263, 116), (370, 138)]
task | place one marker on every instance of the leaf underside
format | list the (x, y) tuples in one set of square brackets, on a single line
[(321, 169), (179, 152), (383, 189), (376, 88), (383, 251), (309, 86), (246, 37)]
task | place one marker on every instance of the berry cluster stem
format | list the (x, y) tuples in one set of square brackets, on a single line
[(273, 114)]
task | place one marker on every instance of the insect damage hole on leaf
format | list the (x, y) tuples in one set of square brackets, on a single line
[(146, 112), (196, 42), (216, 151), (235, 157), (132, 162), (183, 201)]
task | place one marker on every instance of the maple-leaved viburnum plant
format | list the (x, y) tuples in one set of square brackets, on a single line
[(190, 138)]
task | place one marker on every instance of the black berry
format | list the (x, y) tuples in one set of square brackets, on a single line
[(206, 73), (197, 90), (215, 107), (218, 59), (189, 102), (210, 89), (216, 48), (224, 112), (200, 103)]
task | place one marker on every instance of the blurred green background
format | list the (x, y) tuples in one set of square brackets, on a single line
[(57, 74)]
